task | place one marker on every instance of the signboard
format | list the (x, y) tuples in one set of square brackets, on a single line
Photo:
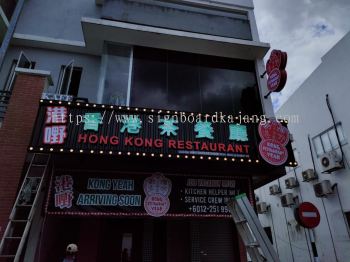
[(308, 215), (54, 96), (275, 69), (75, 127), (274, 138), (156, 195)]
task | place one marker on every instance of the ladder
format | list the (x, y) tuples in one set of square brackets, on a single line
[(249, 228), (23, 210)]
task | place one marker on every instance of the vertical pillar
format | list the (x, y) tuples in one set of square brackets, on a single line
[(15, 134)]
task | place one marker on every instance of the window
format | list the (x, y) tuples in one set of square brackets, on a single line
[(115, 75), (69, 79), (190, 82), (327, 140)]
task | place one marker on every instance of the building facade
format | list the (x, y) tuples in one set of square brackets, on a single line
[(146, 187), (315, 130)]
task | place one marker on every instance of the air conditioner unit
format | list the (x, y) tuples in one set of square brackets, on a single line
[(323, 188), (291, 182), (287, 200), (309, 175), (262, 207), (330, 162), (274, 190)]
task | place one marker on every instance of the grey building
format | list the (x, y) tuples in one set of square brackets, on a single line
[(150, 56), (322, 150)]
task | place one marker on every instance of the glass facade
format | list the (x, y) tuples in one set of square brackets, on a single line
[(190, 82), (116, 66)]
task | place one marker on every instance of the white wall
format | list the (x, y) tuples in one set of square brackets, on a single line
[(309, 102)]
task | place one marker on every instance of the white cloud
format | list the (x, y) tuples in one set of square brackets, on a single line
[(305, 29)]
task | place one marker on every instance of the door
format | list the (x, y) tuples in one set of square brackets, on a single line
[(120, 240)]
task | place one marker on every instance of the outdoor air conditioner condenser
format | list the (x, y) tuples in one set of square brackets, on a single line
[(262, 207), (287, 200), (309, 175), (274, 190), (330, 162), (323, 188), (291, 182)]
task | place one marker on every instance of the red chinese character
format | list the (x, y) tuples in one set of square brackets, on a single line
[(64, 199), (63, 183), (54, 134), (56, 115)]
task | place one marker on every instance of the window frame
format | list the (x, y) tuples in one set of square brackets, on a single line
[(319, 136)]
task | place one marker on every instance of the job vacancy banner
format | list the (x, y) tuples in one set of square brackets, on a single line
[(156, 195), (71, 127)]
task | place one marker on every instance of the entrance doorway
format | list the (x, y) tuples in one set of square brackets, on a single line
[(139, 240)]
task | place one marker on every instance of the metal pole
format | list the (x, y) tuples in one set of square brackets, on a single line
[(10, 31)]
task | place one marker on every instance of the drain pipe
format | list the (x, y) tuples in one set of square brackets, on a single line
[(10, 31)]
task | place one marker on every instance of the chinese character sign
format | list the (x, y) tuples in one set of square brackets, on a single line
[(238, 132), (63, 191), (56, 115), (131, 124), (55, 125), (92, 121), (204, 130), (54, 135), (168, 127)]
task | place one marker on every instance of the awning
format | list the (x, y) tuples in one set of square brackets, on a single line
[(97, 31)]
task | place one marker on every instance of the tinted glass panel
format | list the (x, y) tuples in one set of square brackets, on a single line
[(149, 86), (117, 75), (183, 82), (326, 142), (318, 146), (333, 138), (192, 82)]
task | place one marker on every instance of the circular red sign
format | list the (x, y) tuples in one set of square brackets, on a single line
[(278, 59), (273, 152), (308, 215), (277, 80), (274, 130), (156, 205)]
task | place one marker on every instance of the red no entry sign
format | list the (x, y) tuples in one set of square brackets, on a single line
[(308, 215)]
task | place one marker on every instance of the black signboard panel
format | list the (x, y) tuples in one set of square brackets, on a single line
[(76, 127), (81, 193)]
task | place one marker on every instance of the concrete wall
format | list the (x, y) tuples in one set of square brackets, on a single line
[(56, 19), (61, 19), (331, 77)]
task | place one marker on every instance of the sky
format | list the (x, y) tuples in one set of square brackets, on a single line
[(305, 29)]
